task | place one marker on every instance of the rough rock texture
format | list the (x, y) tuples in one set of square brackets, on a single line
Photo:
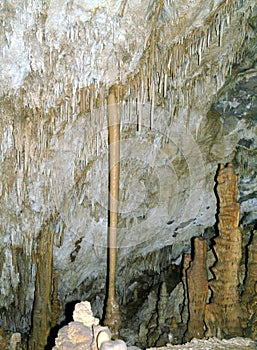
[(188, 69), (85, 333), (197, 289), (82, 332), (213, 343), (42, 317), (188, 311), (249, 298), (83, 313), (224, 313)]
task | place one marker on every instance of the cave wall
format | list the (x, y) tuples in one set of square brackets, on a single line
[(188, 72)]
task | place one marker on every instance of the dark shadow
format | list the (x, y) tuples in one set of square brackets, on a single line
[(216, 229), (247, 257), (218, 201), (69, 308), (192, 248)]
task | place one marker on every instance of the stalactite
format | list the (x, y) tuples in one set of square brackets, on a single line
[(112, 317), (224, 313), (159, 69), (197, 289), (152, 104)]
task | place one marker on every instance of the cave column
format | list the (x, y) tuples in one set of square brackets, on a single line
[(224, 313), (112, 317)]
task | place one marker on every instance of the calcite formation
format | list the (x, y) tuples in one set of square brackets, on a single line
[(86, 333), (197, 289), (58, 62), (42, 311), (213, 344), (224, 313), (112, 317), (83, 313), (249, 299)]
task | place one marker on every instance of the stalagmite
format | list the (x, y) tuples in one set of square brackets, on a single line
[(197, 288), (42, 310), (249, 299), (185, 265), (224, 313), (59, 60), (112, 317), (162, 304)]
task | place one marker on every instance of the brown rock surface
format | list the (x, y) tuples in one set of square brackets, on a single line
[(224, 313), (197, 289)]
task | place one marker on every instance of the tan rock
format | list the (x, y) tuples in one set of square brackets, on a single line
[(223, 315), (197, 289)]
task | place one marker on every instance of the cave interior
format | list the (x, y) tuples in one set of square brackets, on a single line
[(169, 90)]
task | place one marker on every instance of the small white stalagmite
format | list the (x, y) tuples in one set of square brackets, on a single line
[(104, 341), (114, 345)]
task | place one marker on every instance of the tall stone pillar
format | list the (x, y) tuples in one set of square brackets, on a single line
[(224, 313)]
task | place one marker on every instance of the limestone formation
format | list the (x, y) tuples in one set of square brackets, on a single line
[(162, 304), (59, 60), (112, 317), (42, 311), (3, 339), (103, 337), (116, 344), (224, 313), (15, 342), (213, 344), (83, 313), (249, 298), (197, 289), (187, 259), (86, 333), (74, 336)]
